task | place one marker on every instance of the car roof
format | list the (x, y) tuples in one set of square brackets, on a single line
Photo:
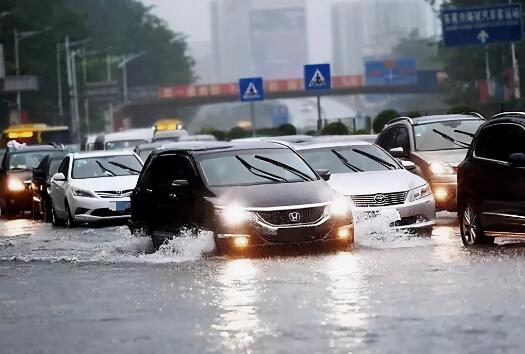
[(436, 119), (202, 147), (334, 144), (101, 153), (151, 145)]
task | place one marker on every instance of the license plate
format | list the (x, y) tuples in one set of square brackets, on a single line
[(120, 206)]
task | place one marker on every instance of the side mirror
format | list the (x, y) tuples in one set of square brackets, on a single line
[(180, 183), (59, 177), (408, 165), (398, 152), (517, 159), (325, 174)]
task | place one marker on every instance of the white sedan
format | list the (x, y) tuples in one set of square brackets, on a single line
[(374, 181), (94, 186)]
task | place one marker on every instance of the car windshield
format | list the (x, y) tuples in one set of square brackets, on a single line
[(29, 159), (124, 144), (350, 159), (253, 167), (106, 166), (448, 135), (144, 153)]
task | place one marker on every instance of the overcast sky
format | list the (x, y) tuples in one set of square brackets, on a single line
[(193, 19)]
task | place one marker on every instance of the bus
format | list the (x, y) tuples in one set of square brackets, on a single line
[(35, 134)]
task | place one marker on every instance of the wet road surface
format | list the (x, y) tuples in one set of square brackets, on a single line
[(100, 290)]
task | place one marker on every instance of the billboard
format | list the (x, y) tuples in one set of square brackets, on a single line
[(391, 72)]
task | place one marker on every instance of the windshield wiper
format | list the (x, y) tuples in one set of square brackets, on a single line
[(104, 168), (346, 162), (285, 167), (451, 139), (124, 167), (464, 133), (379, 160), (260, 173)]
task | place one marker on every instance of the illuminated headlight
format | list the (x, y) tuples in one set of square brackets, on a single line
[(15, 185), (441, 168), (340, 207), (82, 193), (179, 126), (234, 215), (419, 192)]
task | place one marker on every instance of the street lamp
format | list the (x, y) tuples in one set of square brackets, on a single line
[(123, 65), (19, 36)]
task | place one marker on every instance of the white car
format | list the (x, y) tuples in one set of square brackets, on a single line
[(128, 139), (374, 181), (94, 186)]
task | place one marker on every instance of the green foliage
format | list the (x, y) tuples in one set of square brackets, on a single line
[(238, 133), (383, 118), (311, 132), (335, 128), (220, 135), (361, 132), (414, 114), (460, 109), (287, 129), (424, 50)]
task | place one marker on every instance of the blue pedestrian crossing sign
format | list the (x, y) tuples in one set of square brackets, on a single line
[(251, 89), (317, 77)]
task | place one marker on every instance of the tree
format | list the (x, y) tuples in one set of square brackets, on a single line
[(287, 129), (424, 50), (335, 128), (383, 118), (238, 133)]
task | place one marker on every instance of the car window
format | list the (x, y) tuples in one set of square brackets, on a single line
[(124, 144), (106, 166), (27, 160), (437, 136), (262, 166), (350, 159), (387, 140), (498, 142), (402, 139), (144, 153), (168, 168)]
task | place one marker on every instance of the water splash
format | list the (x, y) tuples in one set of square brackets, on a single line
[(372, 229)]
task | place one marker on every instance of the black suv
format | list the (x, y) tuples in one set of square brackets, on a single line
[(437, 145), (491, 181), (249, 194), (16, 173)]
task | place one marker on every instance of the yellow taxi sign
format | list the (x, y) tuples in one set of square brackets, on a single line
[(168, 124), (20, 135)]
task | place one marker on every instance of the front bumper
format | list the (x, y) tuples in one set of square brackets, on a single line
[(22, 200), (414, 216), (260, 233), (98, 209)]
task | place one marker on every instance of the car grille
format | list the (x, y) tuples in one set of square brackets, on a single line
[(104, 212), (379, 200), (114, 194), (292, 216)]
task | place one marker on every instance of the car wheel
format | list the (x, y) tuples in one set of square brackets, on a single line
[(470, 226), (69, 218), (54, 219)]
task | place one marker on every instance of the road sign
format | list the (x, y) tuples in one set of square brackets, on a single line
[(482, 25), (20, 83), (101, 90), (251, 89), (391, 72), (317, 77)]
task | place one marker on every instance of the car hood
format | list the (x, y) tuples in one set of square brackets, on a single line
[(106, 183), (23, 175), (273, 195), (453, 157), (375, 182)]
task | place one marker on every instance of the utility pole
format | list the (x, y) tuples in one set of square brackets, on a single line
[(487, 71), (17, 70), (515, 70), (123, 65), (73, 93), (59, 83)]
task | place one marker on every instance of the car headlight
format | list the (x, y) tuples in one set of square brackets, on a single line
[(15, 185), (82, 193), (441, 168), (340, 207), (419, 192), (234, 215)]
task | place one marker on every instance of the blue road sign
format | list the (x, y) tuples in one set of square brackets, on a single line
[(317, 77), (482, 25), (251, 89), (391, 72)]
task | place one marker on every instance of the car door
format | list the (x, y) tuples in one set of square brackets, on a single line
[(387, 138), (58, 188), (173, 185), (500, 190)]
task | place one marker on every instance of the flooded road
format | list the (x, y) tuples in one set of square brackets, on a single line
[(101, 290)]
